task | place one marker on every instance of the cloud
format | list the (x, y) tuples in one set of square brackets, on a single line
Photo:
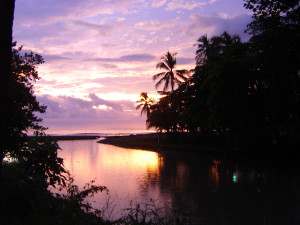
[(158, 3), (182, 61), (127, 58), (53, 58), (47, 12), (217, 25), (130, 85), (69, 113), (182, 4), (96, 101), (108, 66), (154, 25), (102, 29)]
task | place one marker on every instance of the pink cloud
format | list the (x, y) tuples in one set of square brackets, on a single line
[(182, 4), (158, 3), (70, 113)]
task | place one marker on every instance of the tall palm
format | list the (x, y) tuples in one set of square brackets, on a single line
[(201, 53), (144, 102), (171, 76)]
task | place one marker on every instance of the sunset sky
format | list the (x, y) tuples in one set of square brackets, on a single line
[(100, 55)]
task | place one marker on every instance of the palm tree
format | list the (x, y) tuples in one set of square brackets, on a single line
[(171, 76), (213, 48), (201, 53), (228, 40), (144, 102)]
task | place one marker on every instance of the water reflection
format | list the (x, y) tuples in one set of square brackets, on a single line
[(214, 172), (212, 191)]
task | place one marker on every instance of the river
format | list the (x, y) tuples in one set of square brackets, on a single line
[(193, 188)]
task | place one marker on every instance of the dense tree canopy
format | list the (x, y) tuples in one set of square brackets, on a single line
[(22, 104), (38, 155), (246, 93)]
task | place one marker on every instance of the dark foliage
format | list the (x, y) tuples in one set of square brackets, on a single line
[(246, 94), (24, 200), (21, 104), (6, 21)]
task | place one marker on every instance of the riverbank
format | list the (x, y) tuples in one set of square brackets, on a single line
[(72, 137), (164, 143), (205, 146)]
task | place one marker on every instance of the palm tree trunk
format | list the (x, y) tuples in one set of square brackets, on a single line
[(6, 23)]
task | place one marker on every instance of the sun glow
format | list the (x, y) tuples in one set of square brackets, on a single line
[(144, 158), (102, 107), (117, 96)]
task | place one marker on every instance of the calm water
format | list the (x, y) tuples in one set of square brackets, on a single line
[(209, 191)]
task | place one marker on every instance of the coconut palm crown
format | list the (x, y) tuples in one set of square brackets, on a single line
[(171, 76), (144, 102)]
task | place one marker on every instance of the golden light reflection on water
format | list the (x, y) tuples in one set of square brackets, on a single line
[(109, 165), (127, 173), (214, 172), (131, 159)]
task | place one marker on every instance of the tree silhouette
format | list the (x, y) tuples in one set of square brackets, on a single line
[(201, 53), (6, 21), (22, 105), (144, 102), (171, 76), (213, 48)]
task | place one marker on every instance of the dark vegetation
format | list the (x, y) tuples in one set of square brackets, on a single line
[(71, 137), (167, 142), (210, 145), (244, 94), (30, 165), (241, 94)]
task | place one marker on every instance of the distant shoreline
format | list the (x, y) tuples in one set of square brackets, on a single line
[(149, 142), (137, 141), (69, 138), (73, 137)]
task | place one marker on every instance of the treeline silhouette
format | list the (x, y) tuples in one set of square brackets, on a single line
[(244, 94)]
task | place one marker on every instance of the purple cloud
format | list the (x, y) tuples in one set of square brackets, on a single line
[(69, 113), (217, 25), (182, 4), (127, 58), (102, 29), (47, 12)]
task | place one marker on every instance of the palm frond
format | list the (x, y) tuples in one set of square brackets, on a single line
[(139, 106), (158, 75), (167, 81), (160, 82), (163, 92), (171, 59), (163, 65), (183, 74)]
